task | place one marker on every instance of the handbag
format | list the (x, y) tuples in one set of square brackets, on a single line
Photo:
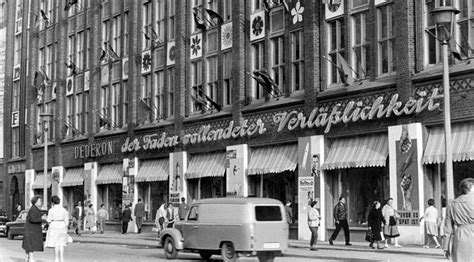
[(392, 221), (369, 236)]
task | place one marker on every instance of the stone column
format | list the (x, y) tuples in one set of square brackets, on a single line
[(90, 187), (406, 144), (130, 166), (177, 183), (29, 180), (237, 160), (311, 183)]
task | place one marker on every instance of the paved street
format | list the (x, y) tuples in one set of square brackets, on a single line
[(116, 247)]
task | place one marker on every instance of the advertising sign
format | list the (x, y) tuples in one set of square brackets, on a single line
[(407, 171)]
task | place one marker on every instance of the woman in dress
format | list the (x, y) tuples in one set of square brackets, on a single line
[(431, 226), (90, 219), (33, 236), (58, 219), (391, 228), (374, 221)]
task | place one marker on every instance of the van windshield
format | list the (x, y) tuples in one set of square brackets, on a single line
[(268, 213)]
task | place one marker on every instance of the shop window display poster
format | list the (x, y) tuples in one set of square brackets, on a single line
[(407, 172)]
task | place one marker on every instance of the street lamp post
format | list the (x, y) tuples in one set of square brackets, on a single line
[(444, 17), (45, 117)]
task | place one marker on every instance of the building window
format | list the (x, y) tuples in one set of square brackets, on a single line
[(17, 54), (170, 89), (146, 94), (171, 19), (16, 96), (116, 34), (87, 49), (466, 27), (277, 20), (124, 104), (158, 94), (211, 42), (227, 78), (80, 50), (360, 46), (49, 62), (257, 56), (196, 84), (125, 34), (336, 46), (147, 23), (433, 52), (115, 114), (105, 33), (160, 19), (212, 78), (79, 112), (15, 142), (227, 15), (86, 113), (359, 3), (256, 5), (104, 101), (386, 40), (297, 61), (70, 50), (277, 60), (70, 114)]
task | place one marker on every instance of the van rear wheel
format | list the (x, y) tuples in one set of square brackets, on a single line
[(228, 252), (205, 254), (170, 248)]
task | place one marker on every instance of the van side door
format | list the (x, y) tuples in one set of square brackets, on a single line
[(190, 228)]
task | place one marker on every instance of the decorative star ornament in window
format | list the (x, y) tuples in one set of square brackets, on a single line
[(146, 62), (196, 46), (297, 13), (257, 25), (226, 36)]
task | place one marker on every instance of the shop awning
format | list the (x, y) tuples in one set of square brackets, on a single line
[(206, 165), (462, 144), (273, 159), (153, 170), (363, 151), (73, 177), (110, 174), (39, 180)]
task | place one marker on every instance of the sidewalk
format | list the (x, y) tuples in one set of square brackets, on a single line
[(149, 240)]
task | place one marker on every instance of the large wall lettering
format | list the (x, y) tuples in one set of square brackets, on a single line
[(93, 150)]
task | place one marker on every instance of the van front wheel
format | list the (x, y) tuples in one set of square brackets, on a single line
[(266, 257), (228, 252), (170, 249)]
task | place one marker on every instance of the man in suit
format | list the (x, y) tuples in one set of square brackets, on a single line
[(77, 216), (126, 217), (183, 209), (139, 212)]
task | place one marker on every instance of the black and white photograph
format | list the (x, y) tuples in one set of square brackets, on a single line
[(237, 130)]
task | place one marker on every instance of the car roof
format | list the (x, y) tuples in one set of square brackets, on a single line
[(239, 200)]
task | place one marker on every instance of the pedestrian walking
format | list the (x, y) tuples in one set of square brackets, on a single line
[(289, 212), (430, 217), (102, 216), (33, 234), (340, 216), (442, 220), (390, 230), (58, 219), (90, 219), (139, 211), (375, 221), (183, 209), (459, 225), (313, 223), (126, 217), (160, 218), (170, 215), (77, 216)]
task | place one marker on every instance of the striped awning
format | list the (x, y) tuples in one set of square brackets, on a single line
[(356, 152), (39, 181), (110, 174), (273, 159), (462, 136), (73, 177), (153, 170), (206, 165)]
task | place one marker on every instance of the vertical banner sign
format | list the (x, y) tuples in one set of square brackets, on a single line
[(306, 192), (87, 187), (55, 182), (127, 182), (235, 174), (407, 171), (176, 179)]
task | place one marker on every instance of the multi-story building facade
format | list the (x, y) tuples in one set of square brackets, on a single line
[(3, 199), (294, 100)]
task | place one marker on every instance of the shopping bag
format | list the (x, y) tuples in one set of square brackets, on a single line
[(369, 236)]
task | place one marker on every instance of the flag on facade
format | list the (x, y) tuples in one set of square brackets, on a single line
[(199, 23), (267, 82), (213, 103), (69, 4), (45, 18), (70, 126), (71, 66), (111, 52), (214, 16), (345, 71)]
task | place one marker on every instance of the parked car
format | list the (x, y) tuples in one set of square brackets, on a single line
[(3, 220), (230, 227), (17, 227)]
